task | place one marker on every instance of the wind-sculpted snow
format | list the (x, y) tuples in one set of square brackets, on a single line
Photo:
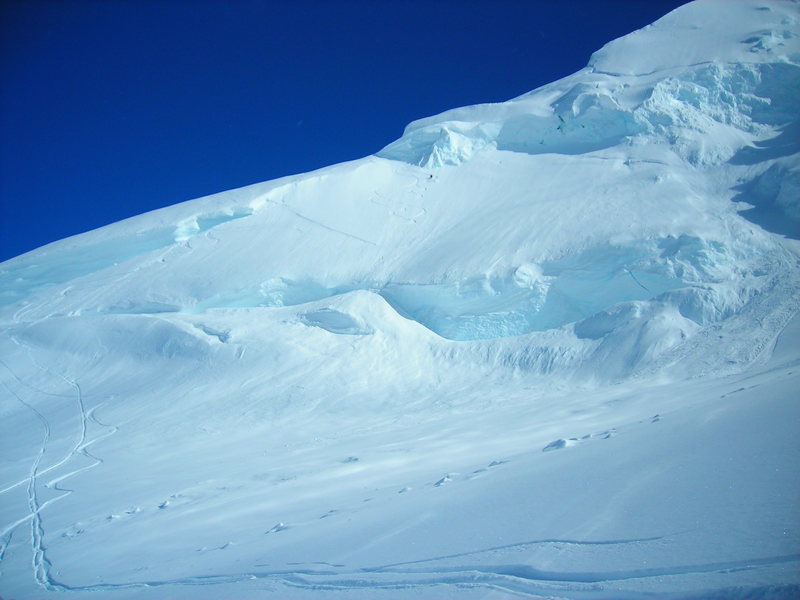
[(700, 96), (202, 223), (535, 297), (540, 348), (28, 274), (704, 114)]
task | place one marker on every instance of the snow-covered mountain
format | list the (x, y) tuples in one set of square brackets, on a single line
[(544, 348)]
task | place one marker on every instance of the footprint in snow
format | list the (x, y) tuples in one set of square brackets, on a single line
[(224, 546), (277, 527), (563, 443), (559, 444), (72, 532), (443, 481), (491, 465)]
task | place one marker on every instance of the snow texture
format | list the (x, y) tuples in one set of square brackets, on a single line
[(546, 348)]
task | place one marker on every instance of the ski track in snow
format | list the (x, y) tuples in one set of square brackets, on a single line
[(40, 563), (334, 230), (397, 207), (522, 579)]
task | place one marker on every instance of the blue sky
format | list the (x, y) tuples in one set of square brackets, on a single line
[(112, 108)]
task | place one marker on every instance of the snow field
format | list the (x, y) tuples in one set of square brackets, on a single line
[(442, 483), (545, 348)]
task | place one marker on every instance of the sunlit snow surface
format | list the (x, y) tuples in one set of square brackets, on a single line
[(546, 348)]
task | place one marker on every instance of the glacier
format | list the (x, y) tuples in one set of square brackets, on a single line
[(543, 348)]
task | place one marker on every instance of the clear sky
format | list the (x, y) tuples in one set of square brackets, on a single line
[(110, 108)]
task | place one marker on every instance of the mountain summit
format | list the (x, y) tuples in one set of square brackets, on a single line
[(543, 348)]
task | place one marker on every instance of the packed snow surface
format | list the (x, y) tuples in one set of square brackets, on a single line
[(546, 348)]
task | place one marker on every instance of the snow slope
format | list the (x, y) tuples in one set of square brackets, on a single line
[(544, 348)]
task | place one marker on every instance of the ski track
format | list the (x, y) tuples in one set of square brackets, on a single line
[(318, 224), (40, 563), (417, 188), (78, 395), (4, 543), (522, 546), (524, 580)]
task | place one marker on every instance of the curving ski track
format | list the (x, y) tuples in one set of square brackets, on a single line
[(40, 563), (522, 580)]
